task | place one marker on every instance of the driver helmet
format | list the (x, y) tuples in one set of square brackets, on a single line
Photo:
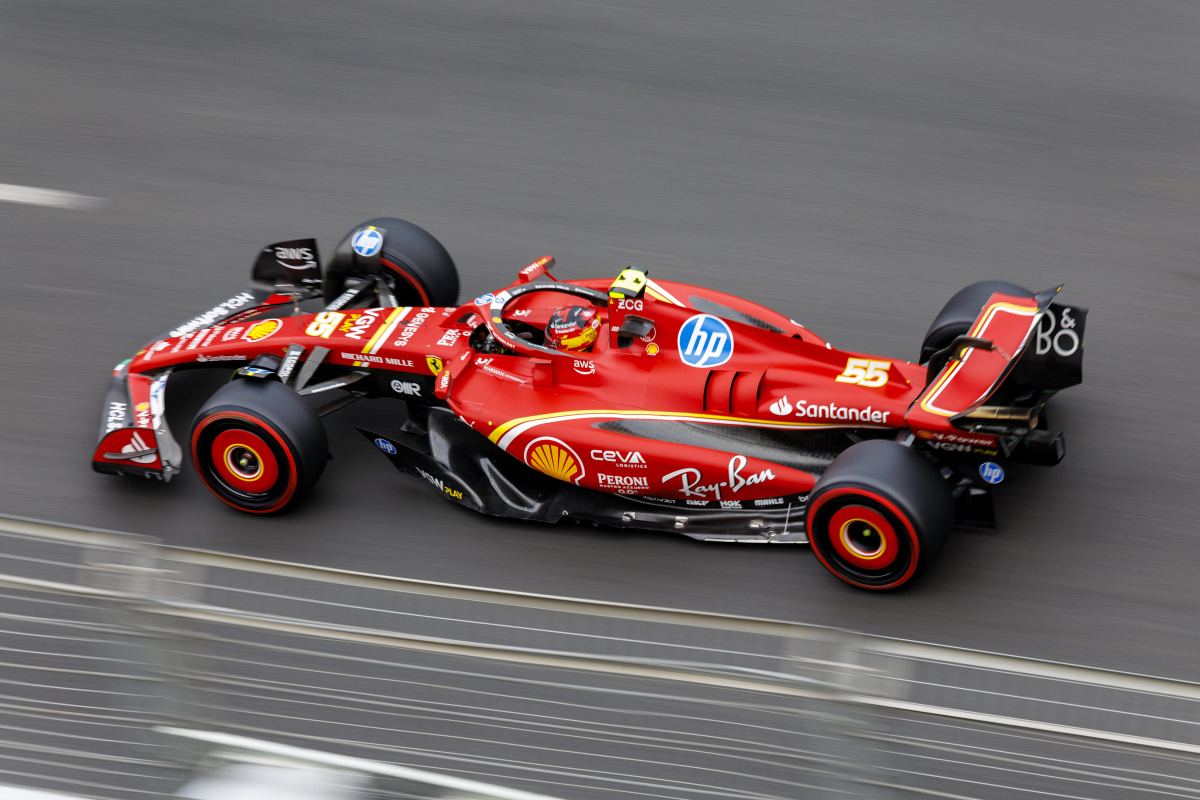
[(573, 328)]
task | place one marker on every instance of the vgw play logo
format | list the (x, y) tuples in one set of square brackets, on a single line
[(705, 341)]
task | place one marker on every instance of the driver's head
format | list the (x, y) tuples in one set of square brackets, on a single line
[(573, 328)]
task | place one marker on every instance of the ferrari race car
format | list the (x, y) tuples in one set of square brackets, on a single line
[(627, 402)]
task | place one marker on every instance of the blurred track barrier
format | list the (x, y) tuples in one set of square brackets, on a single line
[(110, 640)]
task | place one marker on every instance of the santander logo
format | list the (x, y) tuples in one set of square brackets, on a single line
[(832, 411)]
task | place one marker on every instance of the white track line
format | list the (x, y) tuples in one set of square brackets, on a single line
[(18, 793), (47, 197)]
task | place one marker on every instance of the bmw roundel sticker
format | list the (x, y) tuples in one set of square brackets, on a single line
[(367, 242), (991, 472), (705, 341), (386, 446)]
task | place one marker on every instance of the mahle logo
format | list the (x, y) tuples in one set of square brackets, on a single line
[(705, 341)]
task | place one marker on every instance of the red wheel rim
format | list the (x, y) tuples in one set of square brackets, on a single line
[(244, 461), (266, 484), (863, 537), (871, 574)]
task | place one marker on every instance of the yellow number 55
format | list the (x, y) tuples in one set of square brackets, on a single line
[(865, 372)]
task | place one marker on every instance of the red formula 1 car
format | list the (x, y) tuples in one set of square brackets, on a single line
[(627, 402)]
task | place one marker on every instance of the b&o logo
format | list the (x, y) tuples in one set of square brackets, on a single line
[(1065, 342), (991, 472), (367, 242), (705, 341)]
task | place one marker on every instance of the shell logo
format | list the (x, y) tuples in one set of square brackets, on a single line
[(261, 330), (555, 458)]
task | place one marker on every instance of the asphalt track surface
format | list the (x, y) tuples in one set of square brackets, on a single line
[(850, 164)]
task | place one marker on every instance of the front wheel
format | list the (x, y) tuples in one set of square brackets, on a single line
[(416, 268), (879, 515), (258, 446)]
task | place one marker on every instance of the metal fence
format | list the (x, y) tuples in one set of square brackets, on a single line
[(127, 666)]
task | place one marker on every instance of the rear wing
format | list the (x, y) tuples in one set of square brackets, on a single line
[(1019, 350)]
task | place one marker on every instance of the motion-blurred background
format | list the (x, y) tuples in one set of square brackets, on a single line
[(849, 164)]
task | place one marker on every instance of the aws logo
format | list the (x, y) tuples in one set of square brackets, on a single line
[(555, 458), (295, 257)]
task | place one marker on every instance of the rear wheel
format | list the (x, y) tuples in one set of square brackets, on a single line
[(417, 269), (958, 315), (258, 446), (879, 515)]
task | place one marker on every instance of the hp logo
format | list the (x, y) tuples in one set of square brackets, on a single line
[(386, 446), (705, 341), (367, 242), (991, 472)]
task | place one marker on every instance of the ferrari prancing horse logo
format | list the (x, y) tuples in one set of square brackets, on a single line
[(434, 363)]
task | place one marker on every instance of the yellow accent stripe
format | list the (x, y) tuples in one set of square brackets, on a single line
[(504, 428), (385, 329), (980, 326), (937, 387), (659, 293)]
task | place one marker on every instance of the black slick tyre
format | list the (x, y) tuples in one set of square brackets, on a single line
[(879, 515), (959, 313), (418, 269), (258, 446)]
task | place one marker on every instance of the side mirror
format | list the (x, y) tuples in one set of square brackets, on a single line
[(632, 328)]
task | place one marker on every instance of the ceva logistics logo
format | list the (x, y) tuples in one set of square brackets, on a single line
[(705, 341)]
